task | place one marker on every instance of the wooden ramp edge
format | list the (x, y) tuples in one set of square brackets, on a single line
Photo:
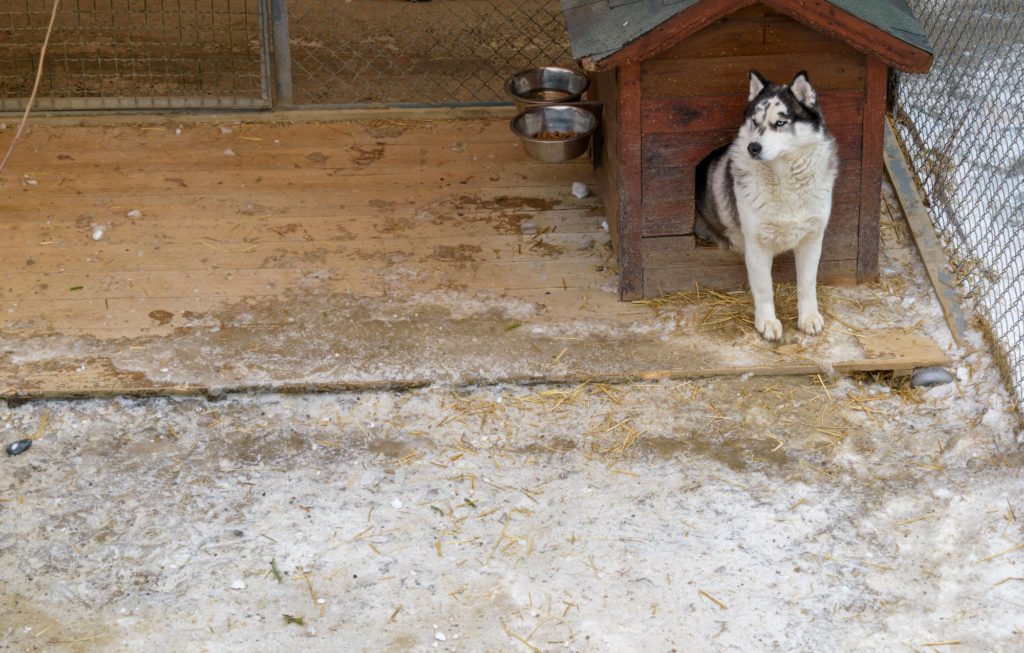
[(884, 351), (923, 231)]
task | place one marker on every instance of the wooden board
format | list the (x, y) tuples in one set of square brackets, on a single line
[(725, 112), (630, 157), (306, 282), (871, 169), (712, 272), (936, 262), (830, 71)]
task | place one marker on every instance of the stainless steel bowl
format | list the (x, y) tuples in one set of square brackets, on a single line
[(535, 128), (549, 85)]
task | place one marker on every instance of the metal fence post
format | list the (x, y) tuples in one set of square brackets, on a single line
[(282, 53)]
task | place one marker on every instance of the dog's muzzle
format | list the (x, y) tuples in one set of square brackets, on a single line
[(754, 149)]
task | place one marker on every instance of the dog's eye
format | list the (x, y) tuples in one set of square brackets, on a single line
[(781, 123)]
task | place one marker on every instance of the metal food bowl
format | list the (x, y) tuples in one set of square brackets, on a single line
[(541, 131), (549, 85)]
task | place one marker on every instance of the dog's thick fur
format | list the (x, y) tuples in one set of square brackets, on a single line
[(770, 191)]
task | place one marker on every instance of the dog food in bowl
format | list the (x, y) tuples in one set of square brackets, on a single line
[(554, 133)]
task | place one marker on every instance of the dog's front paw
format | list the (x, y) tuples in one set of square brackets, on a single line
[(811, 323), (769, 327)]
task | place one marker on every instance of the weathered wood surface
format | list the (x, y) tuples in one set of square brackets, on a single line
[(871, 169), (936, 262), (304, 262), (630, 162)]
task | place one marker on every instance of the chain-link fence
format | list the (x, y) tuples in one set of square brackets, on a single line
[(136, 54), (142, 54), (963, 125), (439, 52)]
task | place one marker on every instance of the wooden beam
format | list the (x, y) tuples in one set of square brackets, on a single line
[(631, 283), (923, 231), (280, 116), (871, 170), (884, 350)]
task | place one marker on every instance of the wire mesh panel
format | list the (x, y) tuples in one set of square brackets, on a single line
[(136, 54), (963, 125), (437, 52)]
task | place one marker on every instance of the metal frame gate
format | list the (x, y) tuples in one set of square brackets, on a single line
[(254, 54), (137, 54), (361, 53)]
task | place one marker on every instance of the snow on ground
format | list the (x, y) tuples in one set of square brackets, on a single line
[(777, 514)]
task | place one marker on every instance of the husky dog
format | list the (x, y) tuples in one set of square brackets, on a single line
[(770, 191)]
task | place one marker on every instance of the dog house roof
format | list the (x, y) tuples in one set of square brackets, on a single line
[(608, 33)]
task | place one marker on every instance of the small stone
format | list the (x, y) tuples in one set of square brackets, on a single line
[(580, 190), (439, 636), (396, 503), (97, 233), (225, 130), (238, 585), (929, 377), (134, 213), (19, 447), (229, 152)]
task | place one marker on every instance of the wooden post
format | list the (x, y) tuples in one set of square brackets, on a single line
[(876, 84), (631, 274), (282, 53)]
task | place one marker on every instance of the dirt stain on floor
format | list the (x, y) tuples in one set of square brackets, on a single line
[(366, 156), (456, 254), (162, 317)]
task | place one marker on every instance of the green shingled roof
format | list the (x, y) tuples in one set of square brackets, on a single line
[(599, 28)]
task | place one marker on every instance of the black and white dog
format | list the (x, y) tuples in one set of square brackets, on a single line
[(770, 191)]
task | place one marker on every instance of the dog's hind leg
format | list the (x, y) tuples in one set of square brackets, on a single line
[(807, 254), (759, 273)]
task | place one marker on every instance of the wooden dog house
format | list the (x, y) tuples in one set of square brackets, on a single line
[(673, 77)]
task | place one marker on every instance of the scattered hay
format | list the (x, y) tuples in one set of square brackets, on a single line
[(731, 313)]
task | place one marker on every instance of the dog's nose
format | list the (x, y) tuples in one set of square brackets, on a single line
[(754, 149)]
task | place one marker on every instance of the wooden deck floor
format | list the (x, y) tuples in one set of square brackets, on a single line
[(311, 255)]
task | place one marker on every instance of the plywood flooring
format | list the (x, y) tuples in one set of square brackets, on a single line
[(329, 255)]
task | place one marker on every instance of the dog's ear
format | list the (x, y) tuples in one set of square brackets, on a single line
[(802, 89), (757, 84)]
